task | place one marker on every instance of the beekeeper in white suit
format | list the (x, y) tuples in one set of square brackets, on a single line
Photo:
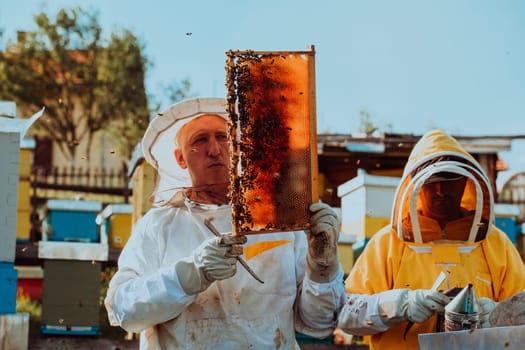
[(179, 285)]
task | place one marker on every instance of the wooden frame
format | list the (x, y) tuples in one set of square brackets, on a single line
[(273, 139)]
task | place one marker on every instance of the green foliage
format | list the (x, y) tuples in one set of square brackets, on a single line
[(178, 91), (365, 123), (105, 278), (26, 305), (86, 84), (122, 61)]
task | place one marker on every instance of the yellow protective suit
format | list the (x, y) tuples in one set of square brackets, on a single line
[(413, 250)]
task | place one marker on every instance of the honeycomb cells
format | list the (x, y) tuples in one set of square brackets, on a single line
[(272, 139)]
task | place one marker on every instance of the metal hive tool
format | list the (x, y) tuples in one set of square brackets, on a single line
[(463, 311)]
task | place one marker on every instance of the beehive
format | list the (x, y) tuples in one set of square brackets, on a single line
[(115, 223), (72, 307), (143, 179), (23, 223), (272, 138), (505, 218), (71, 286), (366, 203), (10, 150), (72, 220)]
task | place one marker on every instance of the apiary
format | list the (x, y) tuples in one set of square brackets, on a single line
[(8, 281), (366, 203), (71, 286), (71, 290), (9, 144), (23, 223), (72, 220), (115, 224), (506, 217), (30, 280), (143, 178), (272, 139), (14, 328)]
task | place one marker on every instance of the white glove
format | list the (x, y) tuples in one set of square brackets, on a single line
[(322, 262), (214, 259), (399, 305), (486, 306)]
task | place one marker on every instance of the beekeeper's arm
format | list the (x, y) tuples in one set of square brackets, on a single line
[(141, 294), (322, 289), (365, 314)]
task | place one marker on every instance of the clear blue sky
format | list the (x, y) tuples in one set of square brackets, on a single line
[(413, 65)]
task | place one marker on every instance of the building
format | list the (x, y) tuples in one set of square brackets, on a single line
[(340, 157)]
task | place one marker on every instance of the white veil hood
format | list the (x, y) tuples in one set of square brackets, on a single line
[(158, 143)]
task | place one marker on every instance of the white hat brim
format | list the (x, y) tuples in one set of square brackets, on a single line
[(158, 142)]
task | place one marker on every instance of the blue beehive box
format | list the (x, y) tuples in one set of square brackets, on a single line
[(505, 219), (507, 225), (8, 281), (72, 220)]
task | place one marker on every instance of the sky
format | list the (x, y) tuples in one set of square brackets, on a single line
[(412, 65)]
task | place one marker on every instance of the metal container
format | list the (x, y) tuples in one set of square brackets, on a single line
[(463, 311), (508, 338)]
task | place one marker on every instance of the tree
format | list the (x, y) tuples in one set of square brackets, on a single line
[(124, 102), (365, 123), (85, 83), (178, 91)]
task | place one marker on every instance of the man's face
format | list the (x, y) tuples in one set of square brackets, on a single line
[(441, 196), (203, 150)]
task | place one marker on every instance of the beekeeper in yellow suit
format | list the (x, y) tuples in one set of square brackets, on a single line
[(442, 221), (180, 286)]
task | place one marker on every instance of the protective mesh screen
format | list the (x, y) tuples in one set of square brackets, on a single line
[(272, 136)]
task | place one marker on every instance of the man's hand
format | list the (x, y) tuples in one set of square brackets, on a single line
[(322, 260), (486, 306), (399, 305), (422, 303), (215, 259)]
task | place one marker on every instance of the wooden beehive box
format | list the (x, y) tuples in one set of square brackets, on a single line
[(115, 223), (23, 223), (73, 220), (71, 292), (273, 139), (10, 151), (143, 179)]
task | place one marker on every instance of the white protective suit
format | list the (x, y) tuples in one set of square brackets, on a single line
[(237, 313)]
